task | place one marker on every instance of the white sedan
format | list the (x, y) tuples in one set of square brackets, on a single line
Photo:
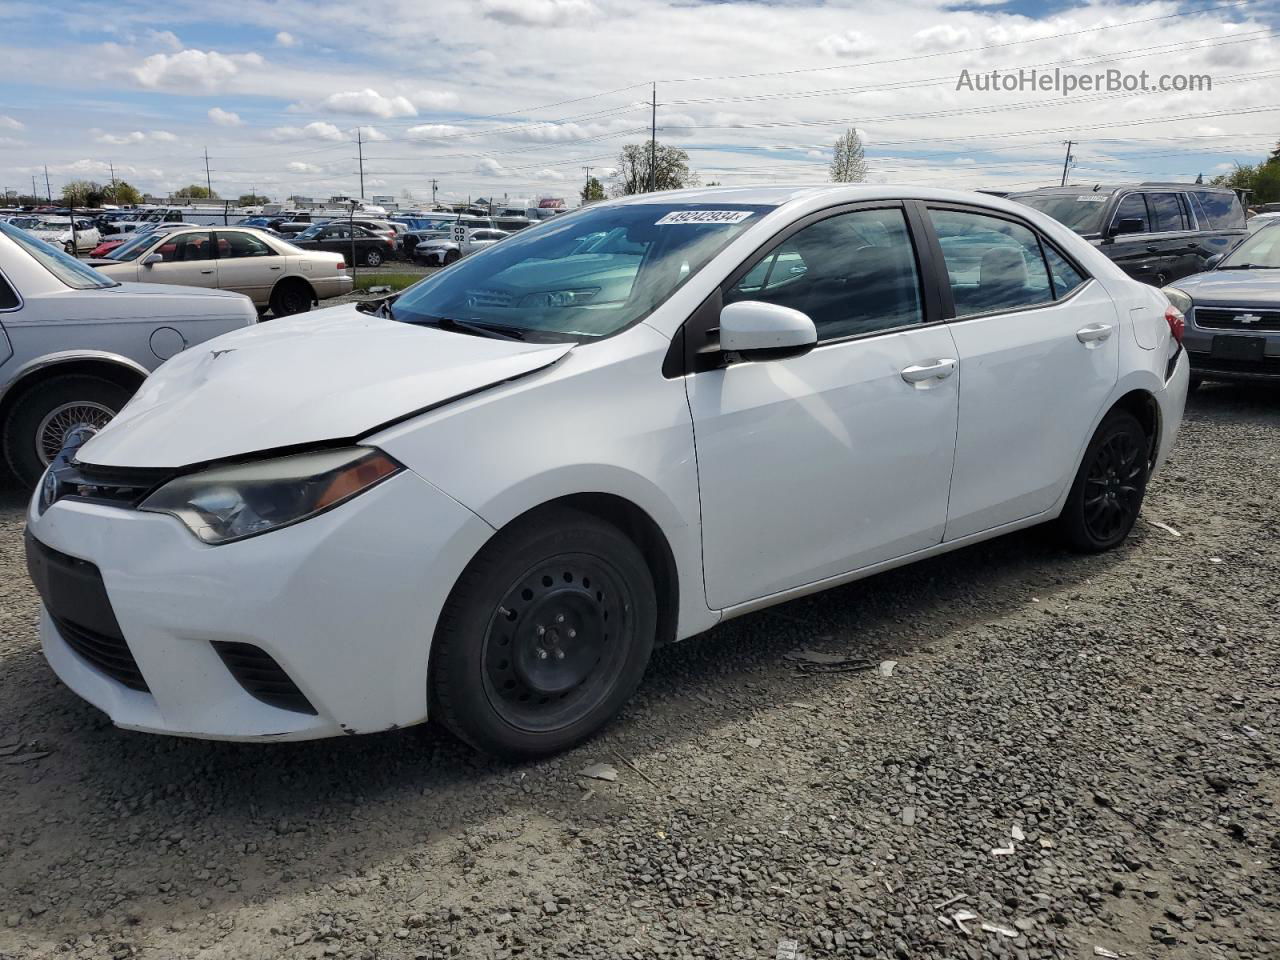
[(58, 232), (271, 272), (489, 501)]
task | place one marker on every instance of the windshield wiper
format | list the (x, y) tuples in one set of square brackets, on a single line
[(1242, 266), (498, 331)]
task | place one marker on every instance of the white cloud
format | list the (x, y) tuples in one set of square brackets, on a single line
[(165, 38), (372, 134), (224, 118), (370, 103), (316, 130), (134, 136), (942, 37), (851, 43), (489, 167), (538, 13), (12, 142), (9, 123), (188, 69), (286, 39), (433, 99), (549, 174), (429, 131), (297, 166)]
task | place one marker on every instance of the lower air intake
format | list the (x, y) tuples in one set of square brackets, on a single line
[(261, 677)]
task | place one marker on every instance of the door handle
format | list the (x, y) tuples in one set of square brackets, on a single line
[(1093, 333), (934, 370), (1152, 248), (206, 272), (275, 268)]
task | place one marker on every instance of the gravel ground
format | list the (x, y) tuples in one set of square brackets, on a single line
[(1080, 752)]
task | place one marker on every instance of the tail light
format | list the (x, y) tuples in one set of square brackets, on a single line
[(1177, 322), (341, 265)]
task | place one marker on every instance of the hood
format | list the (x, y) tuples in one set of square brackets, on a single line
[(334, 374), (1233, 288)]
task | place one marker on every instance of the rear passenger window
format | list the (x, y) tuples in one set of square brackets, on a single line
[(8, 296), (1065, 277), (993, 264), (1221, 208), (1166, 212), (852, 274)]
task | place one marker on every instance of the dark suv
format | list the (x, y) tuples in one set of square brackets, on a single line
[(1155, 232)]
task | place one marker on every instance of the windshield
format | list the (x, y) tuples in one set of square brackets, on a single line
[(58, 225), (543, 283), (68, 269), (1081, 212), (1260, 250), (131, 248)]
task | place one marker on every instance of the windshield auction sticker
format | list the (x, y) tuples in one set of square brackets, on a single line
[(703, 216), (1092, 198)]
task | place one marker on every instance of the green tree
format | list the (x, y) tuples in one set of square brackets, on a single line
[(1266, 185), (592, 191), (122, 194), (252, 199), (196, 192), (1241, 178), (82, 193), (634, 169), (849, 164)]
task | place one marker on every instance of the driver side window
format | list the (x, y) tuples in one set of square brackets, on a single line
[(1132, 207), (852, 274)]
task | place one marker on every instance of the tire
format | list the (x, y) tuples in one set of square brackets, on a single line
[(451, 256), (1106, 497), (372, 258), (42, 416), (69, 248), (290, 297), (507, 689)]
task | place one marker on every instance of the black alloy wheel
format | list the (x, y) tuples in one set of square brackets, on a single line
[(1107, 494)]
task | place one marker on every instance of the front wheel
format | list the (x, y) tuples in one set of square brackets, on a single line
[(1112, 480), (545, 636), (451, 257), (43, 416)]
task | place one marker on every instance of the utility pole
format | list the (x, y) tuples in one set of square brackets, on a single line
[(1066, 163), (653, 143), (586, 187), (434, 183), (48, 190), (34, 196), (360, 151), (208, 179)]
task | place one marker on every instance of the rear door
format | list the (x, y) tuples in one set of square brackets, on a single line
[(1171, 239), (1039, 355), (247, 265)]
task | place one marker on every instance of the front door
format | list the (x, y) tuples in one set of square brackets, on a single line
[(187, 261), (817, 465), (1039, 354)]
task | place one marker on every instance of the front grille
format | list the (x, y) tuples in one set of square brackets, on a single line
[(1214, 318), (116, 486), (109, 654), (262, 678)]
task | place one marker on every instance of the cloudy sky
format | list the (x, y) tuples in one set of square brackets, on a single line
[(516, 97)]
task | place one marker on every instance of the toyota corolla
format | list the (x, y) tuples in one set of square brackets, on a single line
[(486, 501)]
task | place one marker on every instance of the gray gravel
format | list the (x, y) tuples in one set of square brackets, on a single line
[(1080, 753)]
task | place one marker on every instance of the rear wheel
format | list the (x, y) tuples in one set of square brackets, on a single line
[(1194, 384), (372, 258), (545, 636), (290, 297), (1107, 493), (43, 416)]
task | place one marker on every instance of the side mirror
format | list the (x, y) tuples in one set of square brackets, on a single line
[(152, 259), (1213, 261), (765, 331), (1130, 225)]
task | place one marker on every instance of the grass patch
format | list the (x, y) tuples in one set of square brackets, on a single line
[(396, 281)]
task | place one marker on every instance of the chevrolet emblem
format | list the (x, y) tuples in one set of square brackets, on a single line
[(1247, 318)]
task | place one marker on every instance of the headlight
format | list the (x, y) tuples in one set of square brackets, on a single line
[(1179, 298), (559, 298), (233, 502)]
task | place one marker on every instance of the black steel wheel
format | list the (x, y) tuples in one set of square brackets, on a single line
[(545, 636), (1107, 494), (291, 296)]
